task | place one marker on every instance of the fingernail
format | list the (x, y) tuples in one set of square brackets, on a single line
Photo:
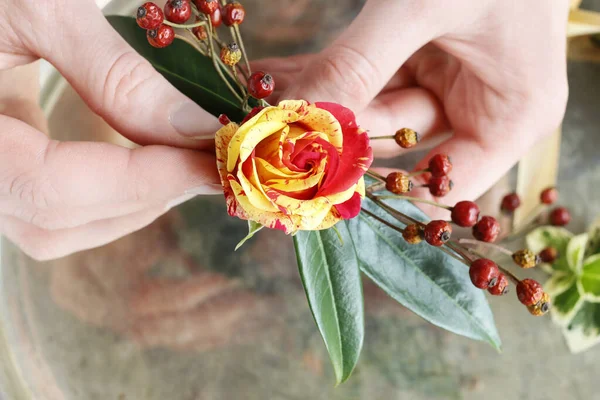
[(179, 200), (208, 189), (192, 121)]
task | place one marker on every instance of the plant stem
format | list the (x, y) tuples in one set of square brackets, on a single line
[(383, 221), (486, 244), (194, 25), (239, 83), (240, 41), (417, 173), (376, 187), (375, 175), (405, 219), (461, 251), (192, 43), (216, 63), (382, 137), (415, 199)]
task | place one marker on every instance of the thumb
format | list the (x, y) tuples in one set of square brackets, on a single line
[(354, 69), (119, 84)]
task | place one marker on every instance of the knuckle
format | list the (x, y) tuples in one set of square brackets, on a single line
[(127, 76), (351, 73)]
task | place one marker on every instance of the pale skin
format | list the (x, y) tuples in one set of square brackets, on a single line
[(492, 72)]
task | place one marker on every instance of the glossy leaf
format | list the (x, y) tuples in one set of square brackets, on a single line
[(590, 278), (566, 304), (551, 236), (576, 251), (331, 279), (189, 71), (420, 277), (584, 329), (593, 246)]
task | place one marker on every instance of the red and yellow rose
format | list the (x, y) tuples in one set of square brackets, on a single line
[(294, 166)]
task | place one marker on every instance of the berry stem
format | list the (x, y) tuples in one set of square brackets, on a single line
[(405, 219), (381, 137), (191, 43), (376, 187), (216, 62), (416, 200), (248, 71), (460, 251), (191, 26), (486, 244), (375, 175), (239, 83), (417, 173), (383, 221)]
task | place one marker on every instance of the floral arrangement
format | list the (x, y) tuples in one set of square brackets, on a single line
[(305, 169)]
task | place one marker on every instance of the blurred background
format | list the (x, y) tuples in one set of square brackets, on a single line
[(170, 312)]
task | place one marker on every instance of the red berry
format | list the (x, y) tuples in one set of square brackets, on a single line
[(413, 234), (260, 85), (224, 119), (216, 18), (233, 13), (437, 233), (501, 286), (439, 186), (200, 32), (529, 292), (398, 183), (161, 37), (252, 114), (484, 273), (406, 138), (510, 203), (207, 6), (178, 11), (487, 229), (149, 16), (548, 255), (440, 165), (549, 195), (560, 216), (465, 214)]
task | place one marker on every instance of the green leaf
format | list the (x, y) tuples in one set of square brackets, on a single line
[(590, 278), (559, 282), (189, 71), (422, 278), (332, 282), (593, 246), (584, 330), (576, 251), (566, 304), (551, 236), (253, 227)]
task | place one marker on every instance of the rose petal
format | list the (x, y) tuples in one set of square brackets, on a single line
[(357, 155), (350, 208)]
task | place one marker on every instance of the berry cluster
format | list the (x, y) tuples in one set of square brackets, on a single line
[(165, 25), (484, 273), (559, 216)]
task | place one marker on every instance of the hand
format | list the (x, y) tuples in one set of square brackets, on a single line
[(493, 72), (61, 197)]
